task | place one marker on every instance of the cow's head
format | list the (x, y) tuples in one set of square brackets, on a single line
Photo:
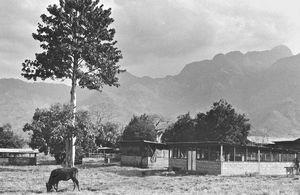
[(49, 187)]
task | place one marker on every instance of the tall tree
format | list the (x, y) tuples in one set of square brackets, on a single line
[(78, 45)]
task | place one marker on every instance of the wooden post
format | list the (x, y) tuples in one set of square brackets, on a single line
[(279, 157), (258, 159), (246, 157), (234, 153), (35, 159), (221, 153), (209, 153), (221, 157), (271, 156)]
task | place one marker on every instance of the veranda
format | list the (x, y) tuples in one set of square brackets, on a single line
[(221, 158)]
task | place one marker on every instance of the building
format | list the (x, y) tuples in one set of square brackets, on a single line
[(220, 158), (18, 156), (289, 144), (144, 154), (211, 157)]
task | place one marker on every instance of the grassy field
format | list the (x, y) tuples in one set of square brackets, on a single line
[(98, 178)]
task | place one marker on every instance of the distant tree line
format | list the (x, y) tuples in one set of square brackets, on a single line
[(49, 129), (8, 139), (220, 123)]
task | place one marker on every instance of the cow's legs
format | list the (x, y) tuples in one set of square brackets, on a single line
[(76, 183), (55, 186)]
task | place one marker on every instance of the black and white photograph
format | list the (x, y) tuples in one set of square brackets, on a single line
[(150, 97)]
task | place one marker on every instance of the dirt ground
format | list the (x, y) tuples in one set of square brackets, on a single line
[(99, 178)]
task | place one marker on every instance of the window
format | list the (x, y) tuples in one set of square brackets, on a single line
[(252, 154), (228, 153), (265, 156), (214, 152), (240, 154), (178, 153), (183, 153), (202, 153), (275, 157), (175, 153)]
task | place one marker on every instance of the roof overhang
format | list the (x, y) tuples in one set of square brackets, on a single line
[(18, 150)]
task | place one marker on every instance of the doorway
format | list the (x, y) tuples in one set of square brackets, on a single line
[(191, 161)]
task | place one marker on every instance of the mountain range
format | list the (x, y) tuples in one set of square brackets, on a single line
[(265, 85)]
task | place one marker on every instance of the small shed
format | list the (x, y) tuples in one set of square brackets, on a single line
[(144, 154), (18, 156)]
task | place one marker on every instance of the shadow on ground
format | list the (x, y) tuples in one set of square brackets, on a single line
[(97, 165), (7, 169), (133, 172), (148, 172), (21, 191)]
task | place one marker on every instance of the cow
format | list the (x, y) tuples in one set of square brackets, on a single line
[(62, 174)]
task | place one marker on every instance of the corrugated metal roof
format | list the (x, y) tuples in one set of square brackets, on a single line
[(18, 150), (142, 141), (250, 145), (269, 140), (104, 148)]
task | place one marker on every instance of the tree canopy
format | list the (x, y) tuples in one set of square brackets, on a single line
[(108, 134), (220, 123), (8, 139), (50, 127), (182, 130), (77, 44), (140, 128)]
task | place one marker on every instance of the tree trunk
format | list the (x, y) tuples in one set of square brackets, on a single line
[(70, 151), (70, 141)]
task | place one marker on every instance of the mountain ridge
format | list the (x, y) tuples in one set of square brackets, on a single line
[(256, 83)]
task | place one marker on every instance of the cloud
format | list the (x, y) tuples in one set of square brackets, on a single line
[(158, 37), (18, 20), (245, 26), (161, 28), (163, 32)]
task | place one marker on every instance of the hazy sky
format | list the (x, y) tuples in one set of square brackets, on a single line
[(158, 37)]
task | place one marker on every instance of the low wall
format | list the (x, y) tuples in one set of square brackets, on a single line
[(177, 164), (232, 168), (202, 167), (158, 163), (134, 161), (18, 161), (262, 168), (239, 168), (208, 167), (22, 161), (4, 161), (274, 168)]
